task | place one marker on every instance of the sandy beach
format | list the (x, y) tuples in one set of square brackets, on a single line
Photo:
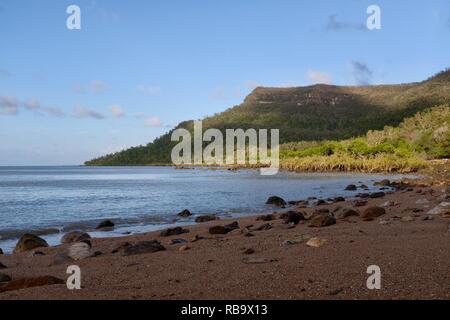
[(279, 261)]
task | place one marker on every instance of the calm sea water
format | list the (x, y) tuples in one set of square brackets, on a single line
[(51, 200)]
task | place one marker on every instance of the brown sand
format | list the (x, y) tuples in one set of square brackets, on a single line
[(414, 257)]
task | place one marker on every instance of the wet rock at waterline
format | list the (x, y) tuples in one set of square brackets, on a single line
[(106, 225), (75, 236), (277, 201), (29, 242)]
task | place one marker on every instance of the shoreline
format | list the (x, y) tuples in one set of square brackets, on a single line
[(274, 263)]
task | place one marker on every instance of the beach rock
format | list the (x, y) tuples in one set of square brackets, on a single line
[(267, 217), (173, 232), (29, 242), (143, 247), (4, 278), (360, 203), (2, 266), (276, 201), (302, 203), (372, 213), (30, 283), (351, 187), (292, 217), (440, 209), (1, 251), (375, 195), (185, 213), (105, 225), (184, 248), (363, 195), (177, 241), (289, 243), (75, 236), (249, 251), (263, 227), (316, 242), (345, 213), (320, 202), (427, 218), (224, 229), (79, 251), (201, 219), (384, 183), (120, 247), (339, 199), (322, 219)]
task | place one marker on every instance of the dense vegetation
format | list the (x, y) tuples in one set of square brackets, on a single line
[(317, 114), (404, 148)]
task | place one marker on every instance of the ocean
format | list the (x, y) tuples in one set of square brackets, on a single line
[(50, 201)]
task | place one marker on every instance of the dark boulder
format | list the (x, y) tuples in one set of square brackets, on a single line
[(75, 236), (351, 187), (105, 225), (375, 195), (339, 199), (344, 213), (185, 213), (224, 229), (1, 251), (277, 201), (4, 278), (29, 242), (322, 219), (143, 247), (173, 232), (2, 266), (292, 217), (372, 213)]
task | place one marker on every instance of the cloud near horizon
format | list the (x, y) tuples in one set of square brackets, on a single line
[(362, 74), (82, 112), (149, 89), (117, 111), (333, 24), (319, 77), (153, 122), (9, 105)]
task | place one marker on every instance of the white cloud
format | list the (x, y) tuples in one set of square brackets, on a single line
[(32, 104), (8, 105), (98, 86), (319, 77), (53, 111), (151, 89), (82, 112), (117, 111), (153, 122)]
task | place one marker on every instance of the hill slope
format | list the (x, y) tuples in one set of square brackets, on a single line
[(319, 112)]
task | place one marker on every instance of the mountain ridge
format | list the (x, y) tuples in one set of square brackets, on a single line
[(316, 112)]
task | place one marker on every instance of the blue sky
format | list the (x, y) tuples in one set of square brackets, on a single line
[(137, 68)]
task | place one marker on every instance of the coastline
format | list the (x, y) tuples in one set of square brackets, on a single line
[(275, 263)]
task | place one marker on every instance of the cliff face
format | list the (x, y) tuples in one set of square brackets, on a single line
[(316, 112)]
